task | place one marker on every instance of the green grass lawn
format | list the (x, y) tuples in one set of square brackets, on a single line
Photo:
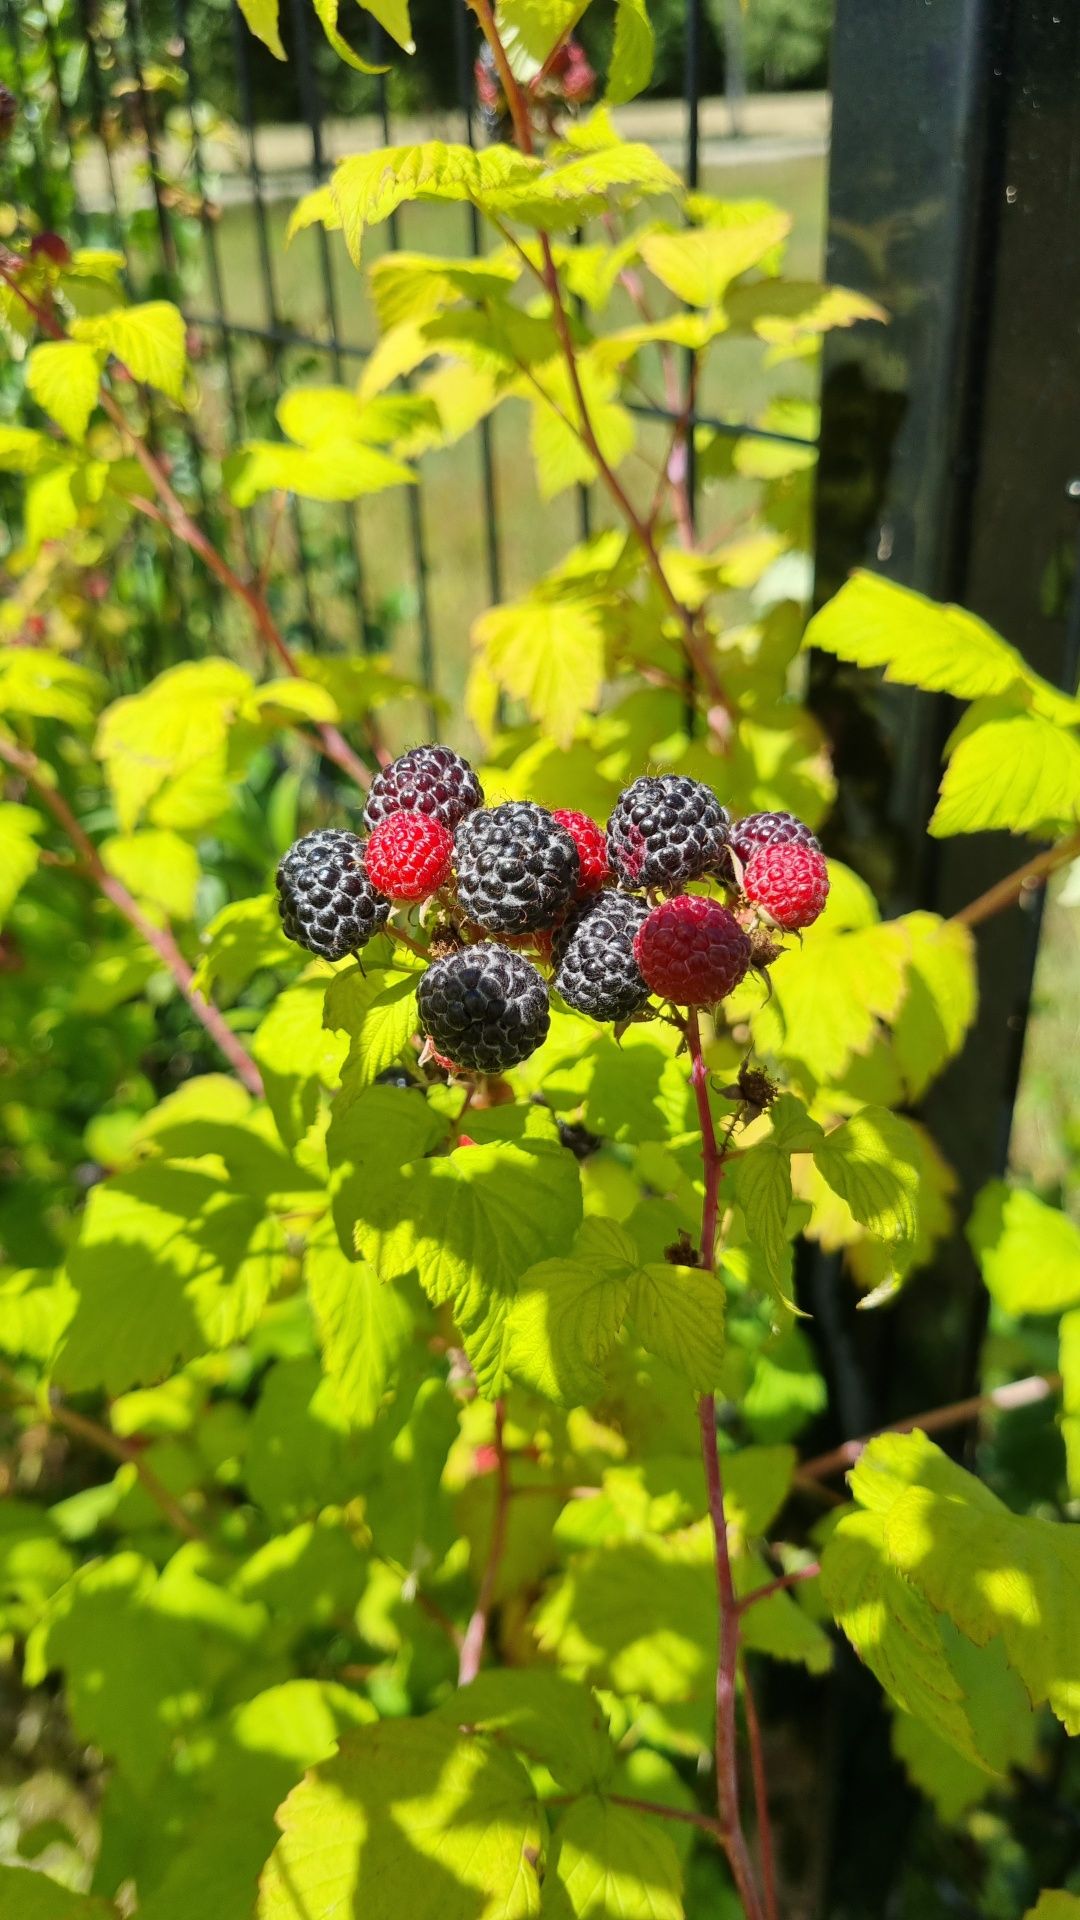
[(532, 533)]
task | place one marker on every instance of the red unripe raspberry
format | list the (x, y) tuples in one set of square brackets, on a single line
[(692, 950), (591, 843), (409, 856), (788, 882)]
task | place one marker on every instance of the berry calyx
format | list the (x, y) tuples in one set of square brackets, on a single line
[(431, 780), (326, 900), (789, 882), (517, 868), (484, 1008), (591, 843), (409, 856), (692, 950), (595, 969), (665, 831)]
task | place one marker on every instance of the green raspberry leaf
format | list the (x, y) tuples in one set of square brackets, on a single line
[(443, 1824)]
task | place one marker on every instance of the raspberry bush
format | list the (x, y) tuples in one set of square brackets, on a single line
[(424, 1489)]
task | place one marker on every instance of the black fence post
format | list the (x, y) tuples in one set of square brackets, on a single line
[(949, 441)]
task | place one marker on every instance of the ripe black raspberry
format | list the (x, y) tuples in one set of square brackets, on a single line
[(432, 780), (326, 901), (484, 1008), (595, 969), (517, 868), (770, 830), (665, 831)]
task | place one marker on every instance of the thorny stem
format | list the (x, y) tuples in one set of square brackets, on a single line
[(1018, 1393), (472, 1647), (761, 1796), (733, 1839), (163, 942), (695, 645), (1006, 891), (127, 1452), (783, 1580), (180, 523)]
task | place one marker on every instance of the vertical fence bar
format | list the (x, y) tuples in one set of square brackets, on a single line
[(311, 105), (947, 446), (63, 116), (269, 284), (692, 93), (99, 116), (166, 236), (486, 429), (415, 506), (212, 251)]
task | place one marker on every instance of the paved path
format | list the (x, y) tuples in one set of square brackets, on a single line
[(771, 127)]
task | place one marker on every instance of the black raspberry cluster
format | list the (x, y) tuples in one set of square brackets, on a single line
[(604, 913)]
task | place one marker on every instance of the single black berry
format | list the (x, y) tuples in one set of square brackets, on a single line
[(326, 900), (432, 780), (484, 1008), (666, 830), (770, 830), (517, 868), (595, 969)]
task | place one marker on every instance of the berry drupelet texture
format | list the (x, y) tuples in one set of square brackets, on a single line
[(770, 830), (431, 780), (409, 856), (788, 882), (666, 830), (692, 950), (591, 843), (517, 868), (326, 900), (484, 1008), (595, 969)]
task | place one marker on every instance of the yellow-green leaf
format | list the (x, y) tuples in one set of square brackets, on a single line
[(64, 377), (1009, 768), (334, 470), (327, 13), (632, 54), (262, 18), (699, 266), (18, 851), (1029, 1252), (550, 655), (150, 340), (159, 868), (922, 643), (448, 1820)]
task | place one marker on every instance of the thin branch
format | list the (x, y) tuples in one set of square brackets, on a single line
[(179, 522), (472, 1647), (689, 1817), (761, 1797), (727, 1767), (1018, 1393), (1006, 891), (694, 641), (161, 939), (126, 1452), (778, 1585)]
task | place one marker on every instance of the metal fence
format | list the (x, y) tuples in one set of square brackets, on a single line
[(122, 57)]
